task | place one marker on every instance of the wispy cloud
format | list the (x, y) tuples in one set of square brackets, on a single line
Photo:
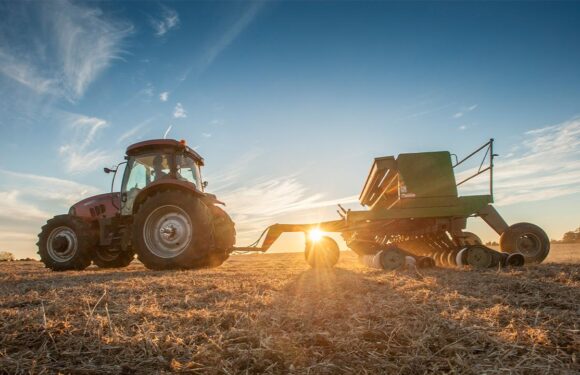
[(206, 135), (545, 165), (261, 202), (77, 154), (465, 111), (179, 111), (255, 203), (147, 91), (168, 20), (12, 207), (45, 189), (83, 43), (134, 133), (164, 96), (227, 37), (425, 112), (27, 201)]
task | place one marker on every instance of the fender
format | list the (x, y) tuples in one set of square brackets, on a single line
[(165, 184)]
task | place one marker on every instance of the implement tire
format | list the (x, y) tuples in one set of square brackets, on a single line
[(105, 258), (172, 229), (323, 253), (528, 239), (65, 243)]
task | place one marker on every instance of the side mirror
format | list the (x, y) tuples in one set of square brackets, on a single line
[(205, 183)]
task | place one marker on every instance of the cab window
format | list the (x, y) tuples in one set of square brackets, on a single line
[(188, 170)]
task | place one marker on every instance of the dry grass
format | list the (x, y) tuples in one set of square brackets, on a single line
[(271, 314)]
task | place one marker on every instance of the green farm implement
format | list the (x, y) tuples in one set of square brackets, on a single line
[(414, 213)]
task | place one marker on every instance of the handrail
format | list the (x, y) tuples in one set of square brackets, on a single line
[(488, 151)]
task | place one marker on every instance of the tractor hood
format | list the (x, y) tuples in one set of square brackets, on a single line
[(97, 207)]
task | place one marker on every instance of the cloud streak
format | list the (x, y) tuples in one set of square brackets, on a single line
[(226, 38), (14, 208), (465, 111), (27, 201), (167, 131), (255, 203), (46, 189), (265, 201), (134, 133), (545, 165), (77, 154)]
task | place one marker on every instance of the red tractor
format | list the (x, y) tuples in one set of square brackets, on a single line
[(162, 214)]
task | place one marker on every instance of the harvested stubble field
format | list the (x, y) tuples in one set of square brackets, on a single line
[(272, 314)]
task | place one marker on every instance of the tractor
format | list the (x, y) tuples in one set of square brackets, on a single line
[(162, 214)]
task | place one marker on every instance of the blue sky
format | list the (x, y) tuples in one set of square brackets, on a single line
[(287, 101)]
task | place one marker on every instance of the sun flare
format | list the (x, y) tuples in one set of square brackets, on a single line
[(315, 235)]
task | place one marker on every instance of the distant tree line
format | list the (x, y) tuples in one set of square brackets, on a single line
[(572, 236)]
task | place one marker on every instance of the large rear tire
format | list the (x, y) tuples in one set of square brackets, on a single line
[(107, 258), (65, 243), (528, 239), (173, 229)]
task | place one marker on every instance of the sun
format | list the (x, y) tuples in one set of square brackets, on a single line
[(315, 235)]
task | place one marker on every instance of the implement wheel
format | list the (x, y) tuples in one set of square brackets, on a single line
[(528, 239), (392, 258), (480, 257), (323, 253)]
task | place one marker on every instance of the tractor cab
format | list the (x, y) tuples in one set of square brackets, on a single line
[(156, 162)]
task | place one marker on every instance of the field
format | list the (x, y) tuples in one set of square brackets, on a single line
[(272, 314)]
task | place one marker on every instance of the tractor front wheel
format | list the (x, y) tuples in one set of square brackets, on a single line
[(528, 239), (110, 258), (65, 243), (173, 229)]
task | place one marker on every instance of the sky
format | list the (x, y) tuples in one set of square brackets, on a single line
[(288, 102)]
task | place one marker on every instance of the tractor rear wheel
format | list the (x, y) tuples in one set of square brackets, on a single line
[(527, 239), (65, 243), (173, 229), (107, 258)]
